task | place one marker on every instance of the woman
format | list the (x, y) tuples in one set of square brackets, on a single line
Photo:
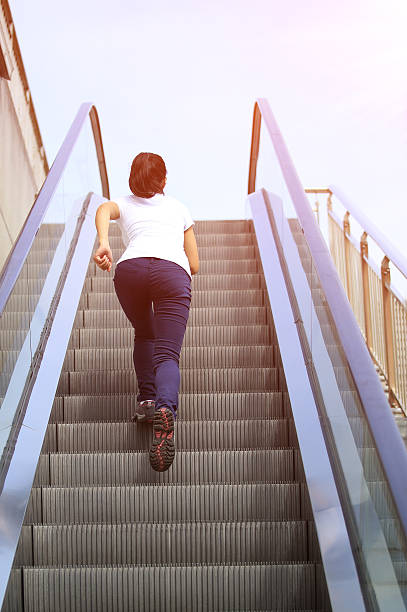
[(155, 269)]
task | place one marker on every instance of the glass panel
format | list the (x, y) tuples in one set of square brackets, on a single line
[(372, 475), (376, 533), (27, 308)]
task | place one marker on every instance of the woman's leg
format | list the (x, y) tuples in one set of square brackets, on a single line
[(171, 293), (131, 283)]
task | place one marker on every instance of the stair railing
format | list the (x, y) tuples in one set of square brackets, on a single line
[(378, 307)]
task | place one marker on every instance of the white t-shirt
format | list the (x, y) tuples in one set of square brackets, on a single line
[(154, 227)]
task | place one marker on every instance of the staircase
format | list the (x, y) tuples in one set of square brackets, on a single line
[(229, 525)]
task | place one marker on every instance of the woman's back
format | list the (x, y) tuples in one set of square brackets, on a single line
[(154, 227)]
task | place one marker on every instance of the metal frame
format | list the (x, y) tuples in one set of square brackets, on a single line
[(19, 479), (13, 406), (19, 252), (389, 444), (336, 551), (391, 330)]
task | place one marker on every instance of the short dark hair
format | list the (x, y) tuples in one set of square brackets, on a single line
[(147, 174)]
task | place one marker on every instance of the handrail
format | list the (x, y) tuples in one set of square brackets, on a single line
[(22, 245), (390, 447), (39, 393), (391, 252), (335, 545)]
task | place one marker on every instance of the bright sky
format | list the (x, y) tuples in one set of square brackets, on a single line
[(180, 79)]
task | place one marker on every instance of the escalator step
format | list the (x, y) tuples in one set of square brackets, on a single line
[(199, 282), (206, 266), (227, 297), (40, 258), (26, 303), (221, 315), (189, 435), (51, 229), (46, 243), (254, 587), (211, 239), (195, 336), (198, 381), (208, 226), (190, 466), (11, 339), (172, 503), (191, 406), (142, 543), (223, 226), (235, 239), (34, 286), (212, 253), (12, 320), (94, 359)]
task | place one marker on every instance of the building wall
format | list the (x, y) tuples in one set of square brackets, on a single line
[(23, 164)]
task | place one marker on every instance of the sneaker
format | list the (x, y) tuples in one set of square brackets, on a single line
[(162, 450), (144, 411)]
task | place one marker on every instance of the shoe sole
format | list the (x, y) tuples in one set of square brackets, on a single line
[(162, 451), (142, 418)]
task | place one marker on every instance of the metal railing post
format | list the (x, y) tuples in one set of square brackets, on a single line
[(254, 149), (346, 235), (388, 323), (316, 210), (364, 253)]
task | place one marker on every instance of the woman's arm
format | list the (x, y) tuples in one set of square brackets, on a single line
[(191, 249), (103, 255)]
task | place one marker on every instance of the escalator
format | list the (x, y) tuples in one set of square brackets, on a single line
[(278, 497), (232, 510)]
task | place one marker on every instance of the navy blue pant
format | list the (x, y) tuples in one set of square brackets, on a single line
[(158, 334)]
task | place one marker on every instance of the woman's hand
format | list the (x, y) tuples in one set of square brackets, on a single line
[(103, 257)]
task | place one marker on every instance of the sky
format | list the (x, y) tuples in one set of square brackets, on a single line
[(181, 78)]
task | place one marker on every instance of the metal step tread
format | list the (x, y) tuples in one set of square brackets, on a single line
[(91, 359), (189, 435), (197, 336), (201, 298), (206, 267), (221, 466), (192, 380), (206, 253), (150, 542), (265, 587), (74, 408), (96, 278), (174, 502), (96, 318), (201, 238)]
